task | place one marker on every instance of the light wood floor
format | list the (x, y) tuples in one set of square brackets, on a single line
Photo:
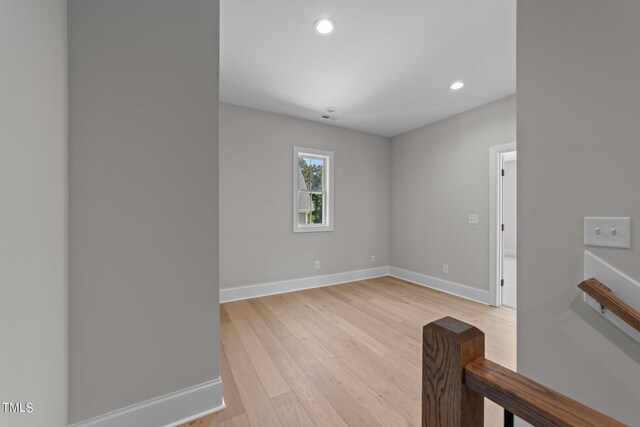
[(341, 355)]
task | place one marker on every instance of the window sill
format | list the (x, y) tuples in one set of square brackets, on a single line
[(312, 229)]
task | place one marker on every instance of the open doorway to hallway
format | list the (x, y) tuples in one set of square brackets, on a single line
[(509, 243), (503, 226)]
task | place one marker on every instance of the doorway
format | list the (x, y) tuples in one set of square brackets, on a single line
[(503, 242)]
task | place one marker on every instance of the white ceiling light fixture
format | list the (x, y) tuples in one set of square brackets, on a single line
[(324, 26), (330, 110), (456, 85)]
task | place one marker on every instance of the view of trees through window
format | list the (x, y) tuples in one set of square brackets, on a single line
[(312, 171)]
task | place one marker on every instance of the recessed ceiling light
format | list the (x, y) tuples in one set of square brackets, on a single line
[(457, 85), (330, 110), (324, 26)]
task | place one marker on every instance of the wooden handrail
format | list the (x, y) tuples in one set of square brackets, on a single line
[(610, 301), (529, 400), (456, 377)]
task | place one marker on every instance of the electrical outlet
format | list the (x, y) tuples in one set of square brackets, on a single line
[(445, 268), (373, 258), (317, 265), (474, 219)]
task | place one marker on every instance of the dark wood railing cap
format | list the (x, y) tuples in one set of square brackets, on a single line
[(529, 400), (454, 327)]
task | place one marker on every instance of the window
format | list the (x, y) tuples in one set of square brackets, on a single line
[(312, 190)]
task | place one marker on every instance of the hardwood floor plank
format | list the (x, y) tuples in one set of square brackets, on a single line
[(486, 318), (399, 391), (345, 355), (291, 411), (269, 375), (317, 406), (233, 401), (238, 421), (367, 397), (349, 409), (409, 309), (443, 299), (340, 340), (276, 303), (278, 329), (224, 317), (380, 331), (363, 338), (384, 316), (208, 421), (257, 404), (352, 293)]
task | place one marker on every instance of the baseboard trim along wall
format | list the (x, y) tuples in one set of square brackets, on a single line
[(453, 288), (170, 410), (274, 288)]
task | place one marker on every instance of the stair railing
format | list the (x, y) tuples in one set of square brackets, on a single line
[(456, 377), (608, 300)]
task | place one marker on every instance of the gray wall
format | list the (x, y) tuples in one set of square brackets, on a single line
[(33, 213), (509, 201), (440, 175), (578, 155), (143, 200), (258, 244)]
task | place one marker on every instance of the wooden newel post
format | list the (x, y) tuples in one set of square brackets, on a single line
[(448, 345)]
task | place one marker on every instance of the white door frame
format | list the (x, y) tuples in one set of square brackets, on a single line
[(495, 220)]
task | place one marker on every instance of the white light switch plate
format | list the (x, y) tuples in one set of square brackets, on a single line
[(474, 219), (610, 232)]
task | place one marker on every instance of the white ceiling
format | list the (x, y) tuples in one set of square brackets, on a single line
[(387, 67)]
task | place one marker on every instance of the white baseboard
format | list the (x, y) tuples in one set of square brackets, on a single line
[(453, 288), (274, 288), (509, 252), (170, 410)]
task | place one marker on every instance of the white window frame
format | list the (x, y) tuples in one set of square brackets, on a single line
[(327, 218)]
